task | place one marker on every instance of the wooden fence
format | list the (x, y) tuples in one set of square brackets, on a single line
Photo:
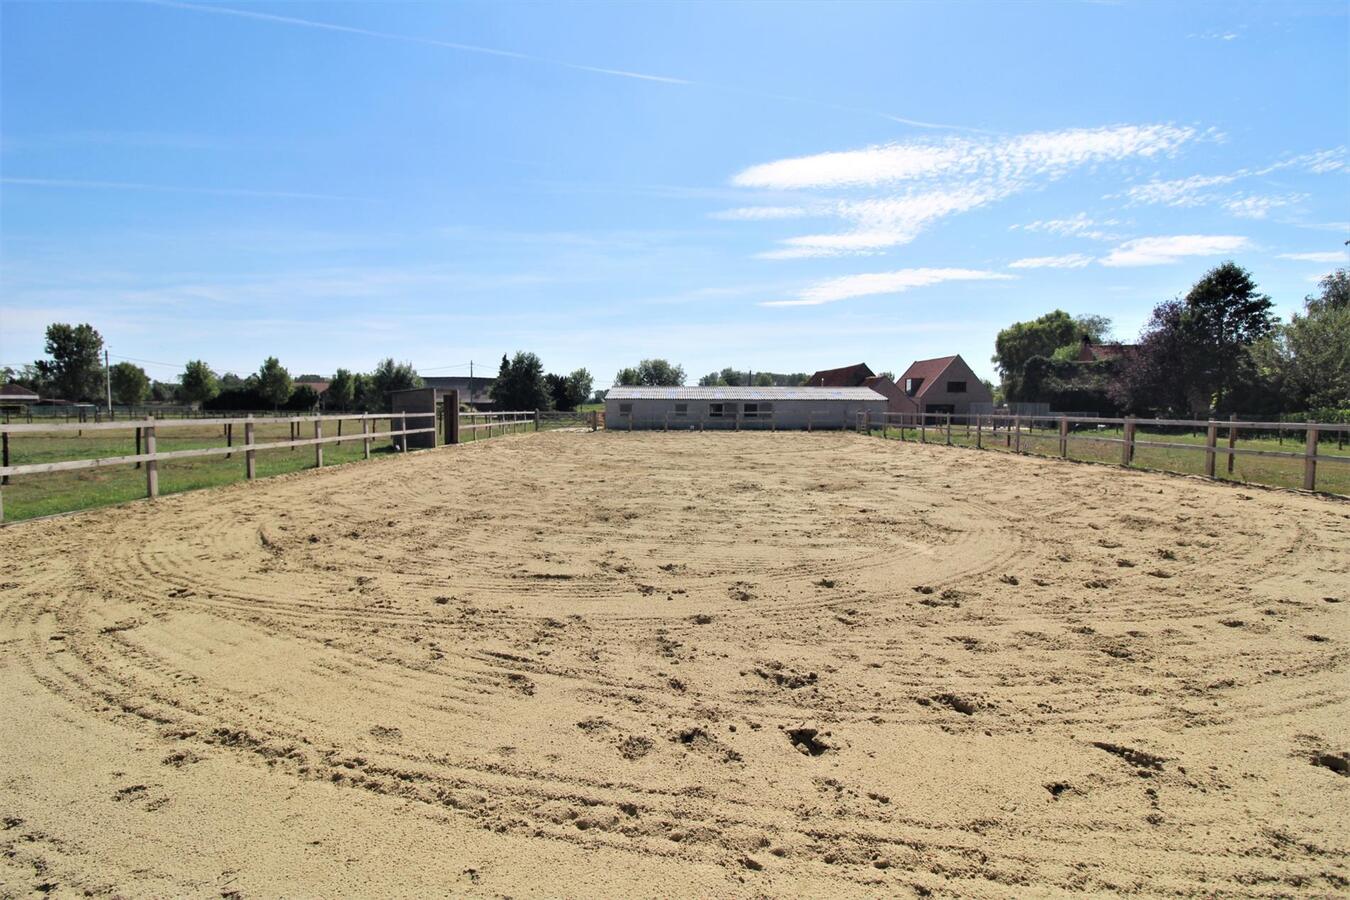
[(1009, 430), (149, 430)]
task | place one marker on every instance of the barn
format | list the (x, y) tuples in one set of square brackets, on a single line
[(739, 407)]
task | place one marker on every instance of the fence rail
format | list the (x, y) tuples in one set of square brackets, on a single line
[(1011, 430), (149, 431)]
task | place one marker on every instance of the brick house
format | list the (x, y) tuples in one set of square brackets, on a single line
[(896, 400), (943, 385)]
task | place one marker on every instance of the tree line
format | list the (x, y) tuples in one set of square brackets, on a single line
[(73, 370), (663, 373), (1215, 351)]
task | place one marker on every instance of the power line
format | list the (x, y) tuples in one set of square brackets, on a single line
[(148, 362)]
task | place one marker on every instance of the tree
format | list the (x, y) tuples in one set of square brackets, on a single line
[(556, 385), (1055, 335), (763, 379), (1196, 351), (75, 369), (1309, 359), (273, 382), (390, 376), (130, 384), (341, 393), (30, 376), (579, 384), (652, 373), (520, 383), (199, 383), (1019, 342)]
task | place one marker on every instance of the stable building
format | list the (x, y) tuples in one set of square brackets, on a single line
[(765, 408)]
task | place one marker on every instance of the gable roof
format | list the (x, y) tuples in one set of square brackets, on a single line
[(930, 370), (848, 376), (16, 391), (318, 386)]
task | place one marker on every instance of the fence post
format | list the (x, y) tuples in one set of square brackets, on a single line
[(1211, 439), (451, 415), (1063, 437), (1310, 459), (595, 421), (151, 466), (949, 429), (1127, 443), (923, 428), (318, 448), (1232, 441), (250, 455), (979, 432), (1017, 428), (5, 439), (536, 420), (402, 438)]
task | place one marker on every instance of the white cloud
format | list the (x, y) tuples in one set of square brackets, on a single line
[(1079, 225), (1178, 192), (881, 222), (1068, 261), (1196, 190), (761, 213), (907, 187), (1328, 256), (1256, 206), (849, 286), (1023, 156), (1157, 251)]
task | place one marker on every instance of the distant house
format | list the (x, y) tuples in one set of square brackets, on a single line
[(16, 398), (474, 391), (1090, 352), (848, 376), (943, 385), (319, 387), (896, 399)]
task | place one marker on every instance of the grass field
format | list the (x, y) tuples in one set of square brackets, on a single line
[(1333, 478), (29, 496)]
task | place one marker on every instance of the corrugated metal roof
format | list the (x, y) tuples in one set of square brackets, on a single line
[(743, 393)]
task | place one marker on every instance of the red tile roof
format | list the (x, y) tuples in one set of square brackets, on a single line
[(848, 376), (1091, 352), (930, 370)]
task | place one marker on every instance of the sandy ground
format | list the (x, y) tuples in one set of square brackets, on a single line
[(650, 664)]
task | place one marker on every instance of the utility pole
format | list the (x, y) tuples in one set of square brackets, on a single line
[(470, 370), (107, 373)]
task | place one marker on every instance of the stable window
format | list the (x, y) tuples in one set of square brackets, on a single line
[(956, 387), (625, 409), (681, 409), (721, 410), (759, 410)]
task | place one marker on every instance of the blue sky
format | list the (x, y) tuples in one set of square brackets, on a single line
[(779, 187)]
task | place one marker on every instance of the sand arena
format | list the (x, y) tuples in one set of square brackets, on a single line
[(652, 664)]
